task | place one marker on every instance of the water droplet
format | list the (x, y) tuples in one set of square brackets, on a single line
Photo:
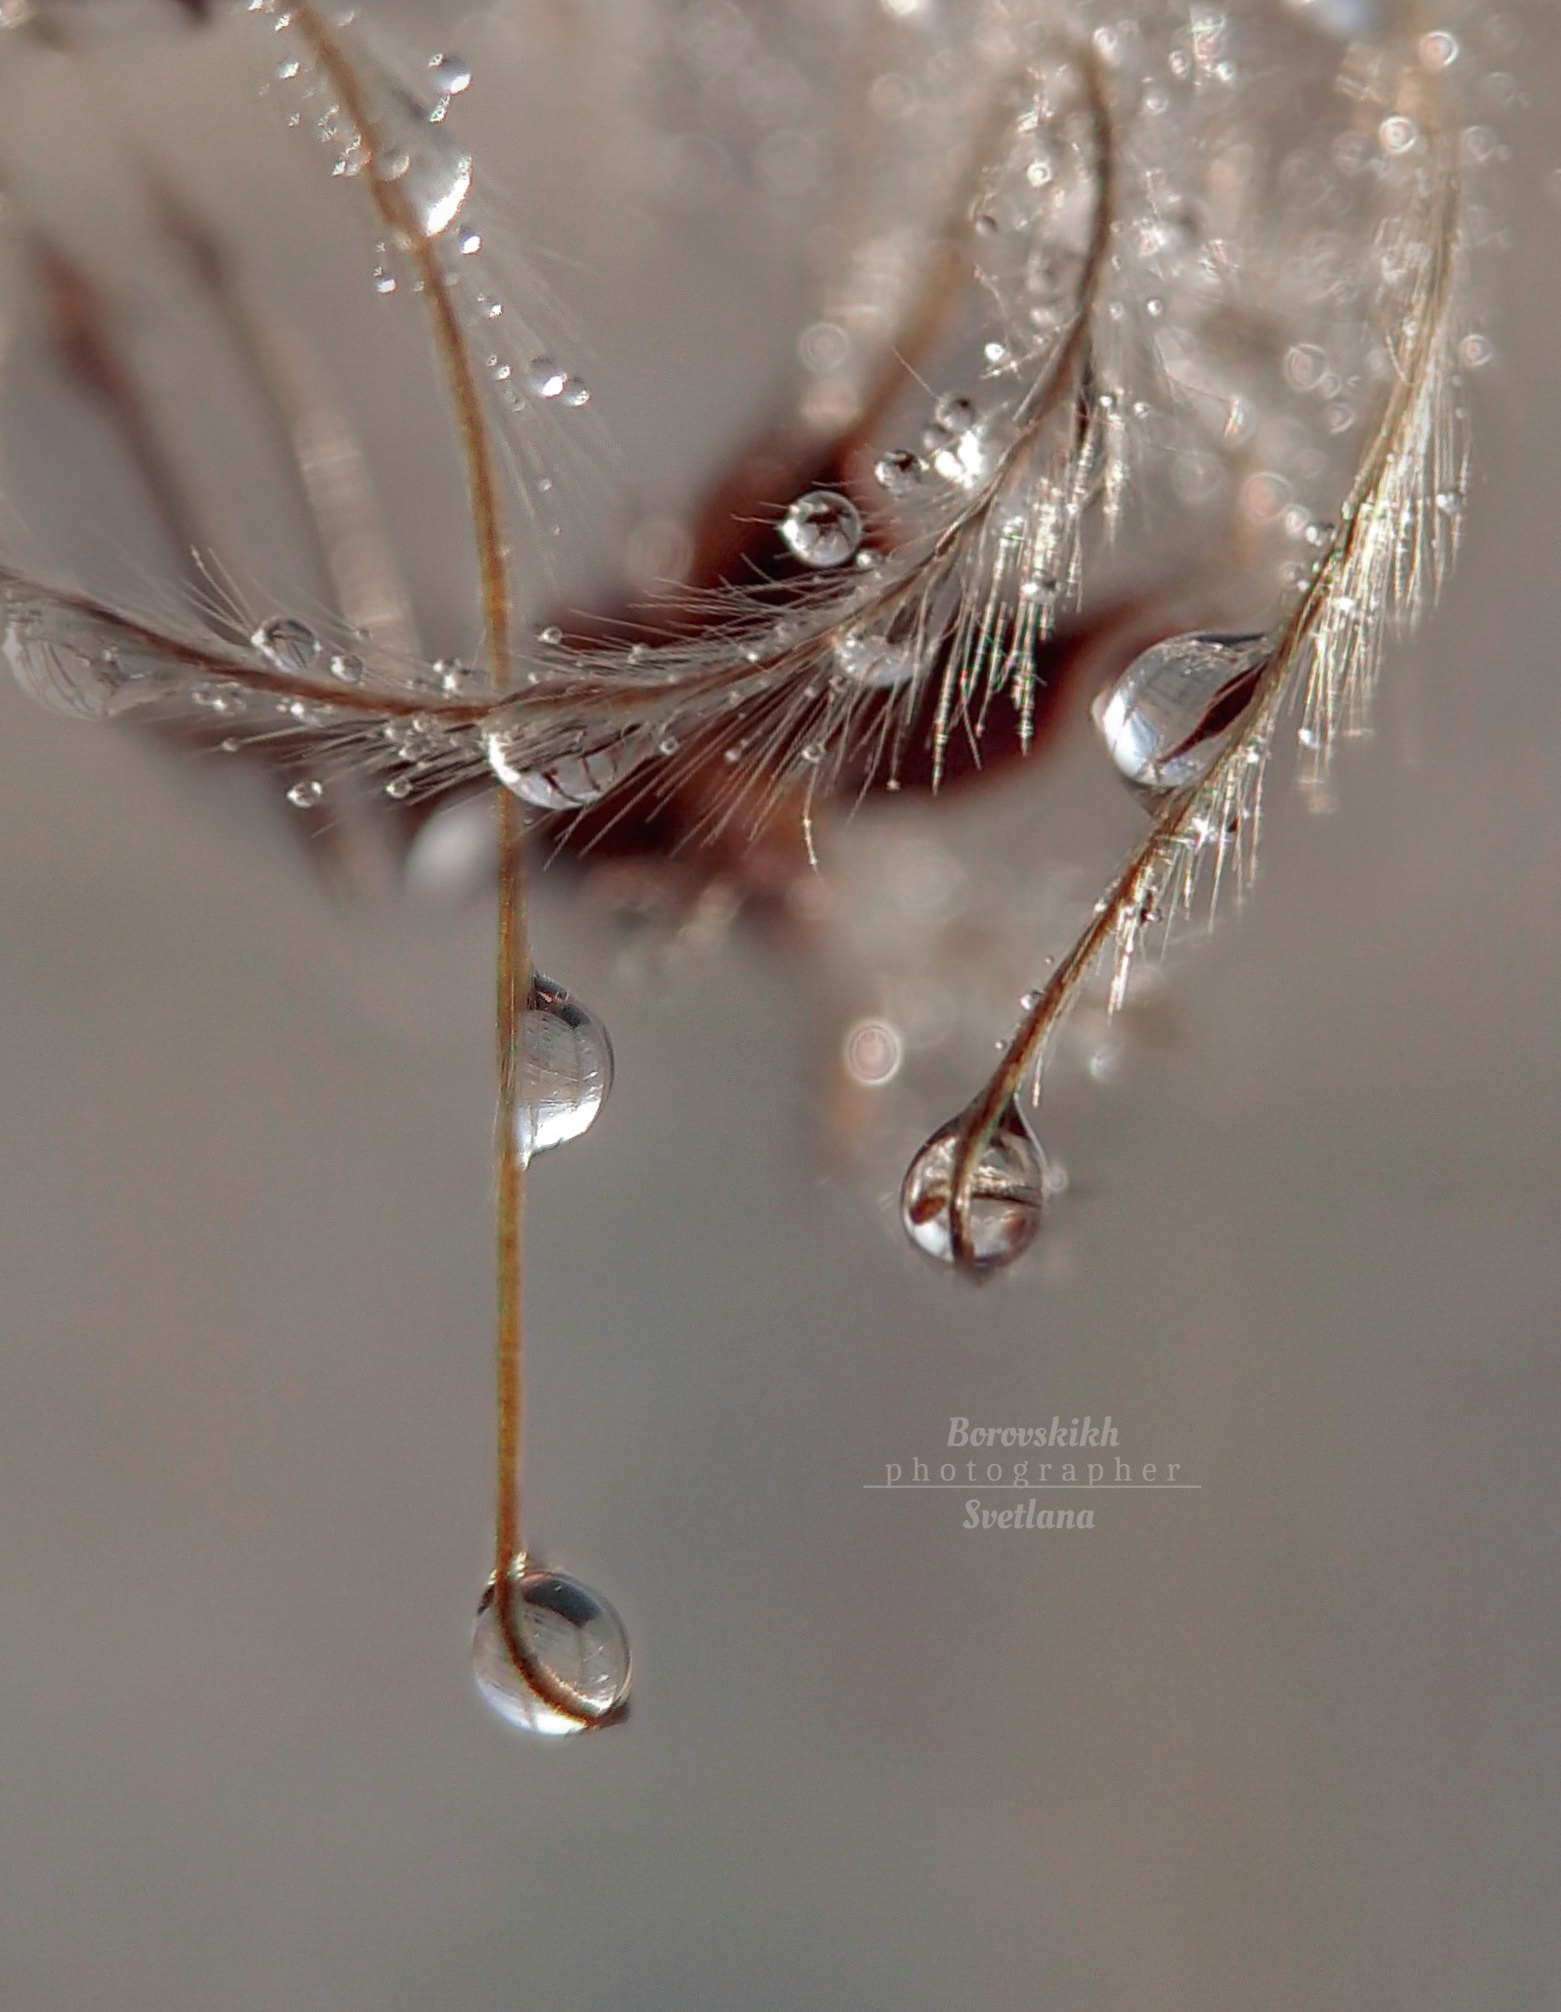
[(898, 471), (543, 378), (433, 177), (288, 645), (567, 783), (1005, 1203), (566, 1068), (576, 392), (875, 662), (399, 788), (1398, 134), (305, 795), (450, 75), (1173, 708), (954, 414), (822, 528), (470, 243), (384, 280), (554, 1659)]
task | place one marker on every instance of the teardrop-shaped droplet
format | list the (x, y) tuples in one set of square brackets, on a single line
[(550, 1656), (287, 645), (566, 1068), (1171, 711), (1005, 1201), (822, 528)]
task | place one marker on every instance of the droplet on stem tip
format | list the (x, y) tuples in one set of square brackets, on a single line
[(1006, 1196), (550, 1656)]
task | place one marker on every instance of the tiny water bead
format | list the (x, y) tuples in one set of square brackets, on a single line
[(1171, 711), (566, 1068), (543, 378), (822, 528), (1005, 1200), (874, 661), (899, 471), (450, 75), (305, 795), (550, 1656)]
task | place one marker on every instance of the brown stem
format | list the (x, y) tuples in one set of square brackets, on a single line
[(1175, 826), (514, 973)]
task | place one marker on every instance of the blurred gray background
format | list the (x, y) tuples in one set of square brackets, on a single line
[(1290, 1741)]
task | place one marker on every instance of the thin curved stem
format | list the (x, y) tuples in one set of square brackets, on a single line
[(513, 963), (1175, 828)]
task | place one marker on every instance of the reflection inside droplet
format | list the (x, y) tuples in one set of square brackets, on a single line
[(566, 1068), (1171, 711), (1004, 1211), (555, 1661)]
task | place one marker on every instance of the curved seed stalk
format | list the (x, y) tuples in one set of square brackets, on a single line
[(514, 967), (1395, 540)]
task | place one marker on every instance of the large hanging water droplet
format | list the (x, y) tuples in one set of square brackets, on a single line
[(570, 783), (550, 1656), (822, 528), (1171, 711), (79, 664), (566, 1068), (1005, 1201)]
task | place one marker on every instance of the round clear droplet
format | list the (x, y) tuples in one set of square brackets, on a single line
[(1005, 1203), (305, 795), (874, 661), (555, 1659), (566, 1068), (543, 378), (450, 76), (822, 528), (1172, 710), (899, 471), (287, 645)]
